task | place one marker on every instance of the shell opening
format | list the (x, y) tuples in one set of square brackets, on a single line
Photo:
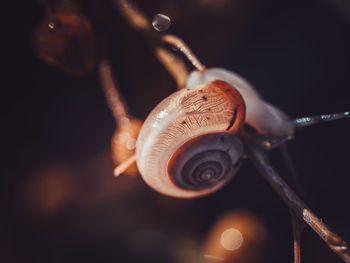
[(199, 175), (208, 168)]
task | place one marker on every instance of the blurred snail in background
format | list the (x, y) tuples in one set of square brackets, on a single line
[(66, 39)]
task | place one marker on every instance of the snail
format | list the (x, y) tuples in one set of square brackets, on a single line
[(65, 39), (190, 140), (190, 145)]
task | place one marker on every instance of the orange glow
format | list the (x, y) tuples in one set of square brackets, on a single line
[(213, 257), (237, 236), (47, 190)]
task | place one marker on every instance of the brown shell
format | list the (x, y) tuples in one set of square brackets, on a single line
[(210, 108), (123, 143), (218, 100)]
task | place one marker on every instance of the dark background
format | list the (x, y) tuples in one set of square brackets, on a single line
[(60, 200)]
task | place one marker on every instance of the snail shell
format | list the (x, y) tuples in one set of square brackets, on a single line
[(262, 116), (187, 146)]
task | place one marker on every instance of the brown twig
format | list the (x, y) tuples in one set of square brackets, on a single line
[(178, 43), (114, 98), (139, 21), (122, 167), (259, 158), (297, 230)]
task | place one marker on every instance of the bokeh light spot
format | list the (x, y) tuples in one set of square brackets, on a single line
[(231, 239)]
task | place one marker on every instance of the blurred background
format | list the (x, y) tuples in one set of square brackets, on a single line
[(60, 202)]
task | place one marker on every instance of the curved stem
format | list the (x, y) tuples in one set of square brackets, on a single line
[(259, 158), (139, 21), (175, 66), (181, 45), (114, 97)]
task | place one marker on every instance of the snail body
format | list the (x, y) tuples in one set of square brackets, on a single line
[(188, 145), (262, 116)]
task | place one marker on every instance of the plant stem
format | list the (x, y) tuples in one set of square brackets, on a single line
[(178, 43), (297, 229), (139, 21), (259, 158), (114, 98)]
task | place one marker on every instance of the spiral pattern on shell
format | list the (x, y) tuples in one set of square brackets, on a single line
[(187, 146), (205, 161)]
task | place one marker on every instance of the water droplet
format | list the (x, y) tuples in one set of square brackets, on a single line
[(267, 144), (161, 22), (52, 25)]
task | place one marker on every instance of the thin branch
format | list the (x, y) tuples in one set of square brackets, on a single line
[(175, 66), (259, 158), (113, 96), (297, 230), (122, 167), (311, 120), (139, 21), (178, 43)]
